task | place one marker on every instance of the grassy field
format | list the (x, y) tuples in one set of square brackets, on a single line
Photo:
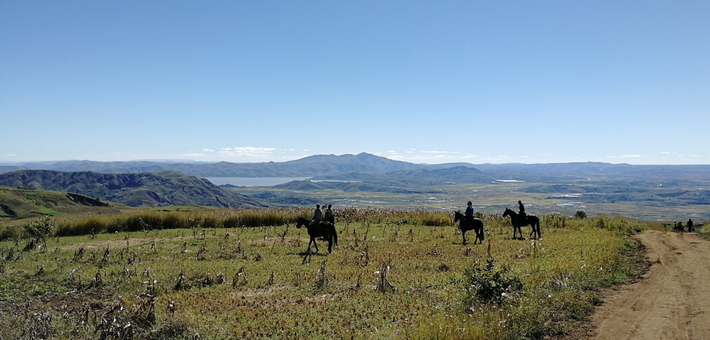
[(227, 274)]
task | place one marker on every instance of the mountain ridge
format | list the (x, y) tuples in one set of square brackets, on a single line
[(131, 189), (332, 166)]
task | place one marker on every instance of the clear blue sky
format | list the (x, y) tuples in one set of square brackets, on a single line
[(419, 81)]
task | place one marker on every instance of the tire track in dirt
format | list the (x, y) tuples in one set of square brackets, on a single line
[(671, 301)]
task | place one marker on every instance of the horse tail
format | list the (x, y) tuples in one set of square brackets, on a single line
[(335, 235), (483, 234), (539, 231)]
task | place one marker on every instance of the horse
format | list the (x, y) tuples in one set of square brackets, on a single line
[(464, 225), (323, 229), (520, 221)]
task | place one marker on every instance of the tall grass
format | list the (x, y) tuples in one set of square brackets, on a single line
[(158, 220)]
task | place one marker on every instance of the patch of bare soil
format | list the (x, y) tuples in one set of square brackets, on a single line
[(671, 301)]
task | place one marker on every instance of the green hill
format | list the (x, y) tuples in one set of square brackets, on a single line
[(134, 189), (25, 202)]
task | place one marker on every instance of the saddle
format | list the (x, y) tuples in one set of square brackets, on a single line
[(468, 221)]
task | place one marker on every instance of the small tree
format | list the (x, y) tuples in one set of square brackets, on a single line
[(491, 285), (580, 214), (38, 232)]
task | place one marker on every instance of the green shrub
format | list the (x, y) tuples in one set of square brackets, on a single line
[(10, 232), (39, 231), (491, 286)]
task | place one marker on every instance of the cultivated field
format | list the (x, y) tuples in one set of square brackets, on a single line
[(223, 274), (633, 201)]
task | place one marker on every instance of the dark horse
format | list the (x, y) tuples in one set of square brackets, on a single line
[(520, 221), (323, 229), (464, 225)]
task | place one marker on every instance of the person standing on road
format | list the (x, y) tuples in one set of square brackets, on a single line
[(690, 226)]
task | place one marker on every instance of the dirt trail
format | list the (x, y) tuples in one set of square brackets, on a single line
[(672, 301)]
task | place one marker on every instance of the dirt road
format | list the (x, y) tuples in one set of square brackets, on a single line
[(672, 301)]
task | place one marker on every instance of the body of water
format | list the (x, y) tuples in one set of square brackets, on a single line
[(253, 181)]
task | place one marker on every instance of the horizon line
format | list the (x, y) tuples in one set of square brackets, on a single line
[(175, 160)]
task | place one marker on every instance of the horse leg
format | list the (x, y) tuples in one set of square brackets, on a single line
[(532, 231), (330, 244), (313, 239), (309, 246), (463, 234)]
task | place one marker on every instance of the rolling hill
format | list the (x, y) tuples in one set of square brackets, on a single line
[(26, 202), (132, 189)]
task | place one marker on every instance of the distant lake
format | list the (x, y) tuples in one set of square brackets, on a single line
[(253, 181)]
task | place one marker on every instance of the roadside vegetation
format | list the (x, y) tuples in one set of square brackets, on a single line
[(223, 274)]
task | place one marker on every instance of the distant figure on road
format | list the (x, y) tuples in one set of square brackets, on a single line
[(690, 226), (469, 211), (317, 216), (521, 207)]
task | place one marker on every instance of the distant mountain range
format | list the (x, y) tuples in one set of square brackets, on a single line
[(132, 189), (319, 165), (158, 183), (364, 166)]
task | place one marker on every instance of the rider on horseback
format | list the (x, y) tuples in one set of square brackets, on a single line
[(469, 212), (521, 214), (317, 216)]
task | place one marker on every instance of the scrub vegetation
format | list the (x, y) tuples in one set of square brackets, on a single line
[(224, 274)]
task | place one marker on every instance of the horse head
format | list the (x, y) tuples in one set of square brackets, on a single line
[(457, 216), (302, 222), (508, 212)]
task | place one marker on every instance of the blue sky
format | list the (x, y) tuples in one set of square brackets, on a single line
[(418, 81)]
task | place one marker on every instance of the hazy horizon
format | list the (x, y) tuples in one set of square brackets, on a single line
[(281, 161)]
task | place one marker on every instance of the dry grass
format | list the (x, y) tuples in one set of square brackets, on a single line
[(391, 276)]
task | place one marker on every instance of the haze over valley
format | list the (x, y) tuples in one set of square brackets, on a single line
[(651, 192)]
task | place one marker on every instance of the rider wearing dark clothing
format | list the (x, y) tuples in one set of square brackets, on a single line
[(469, 211), (317, 216), (690, 225), (521, 207), (328, 213)]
